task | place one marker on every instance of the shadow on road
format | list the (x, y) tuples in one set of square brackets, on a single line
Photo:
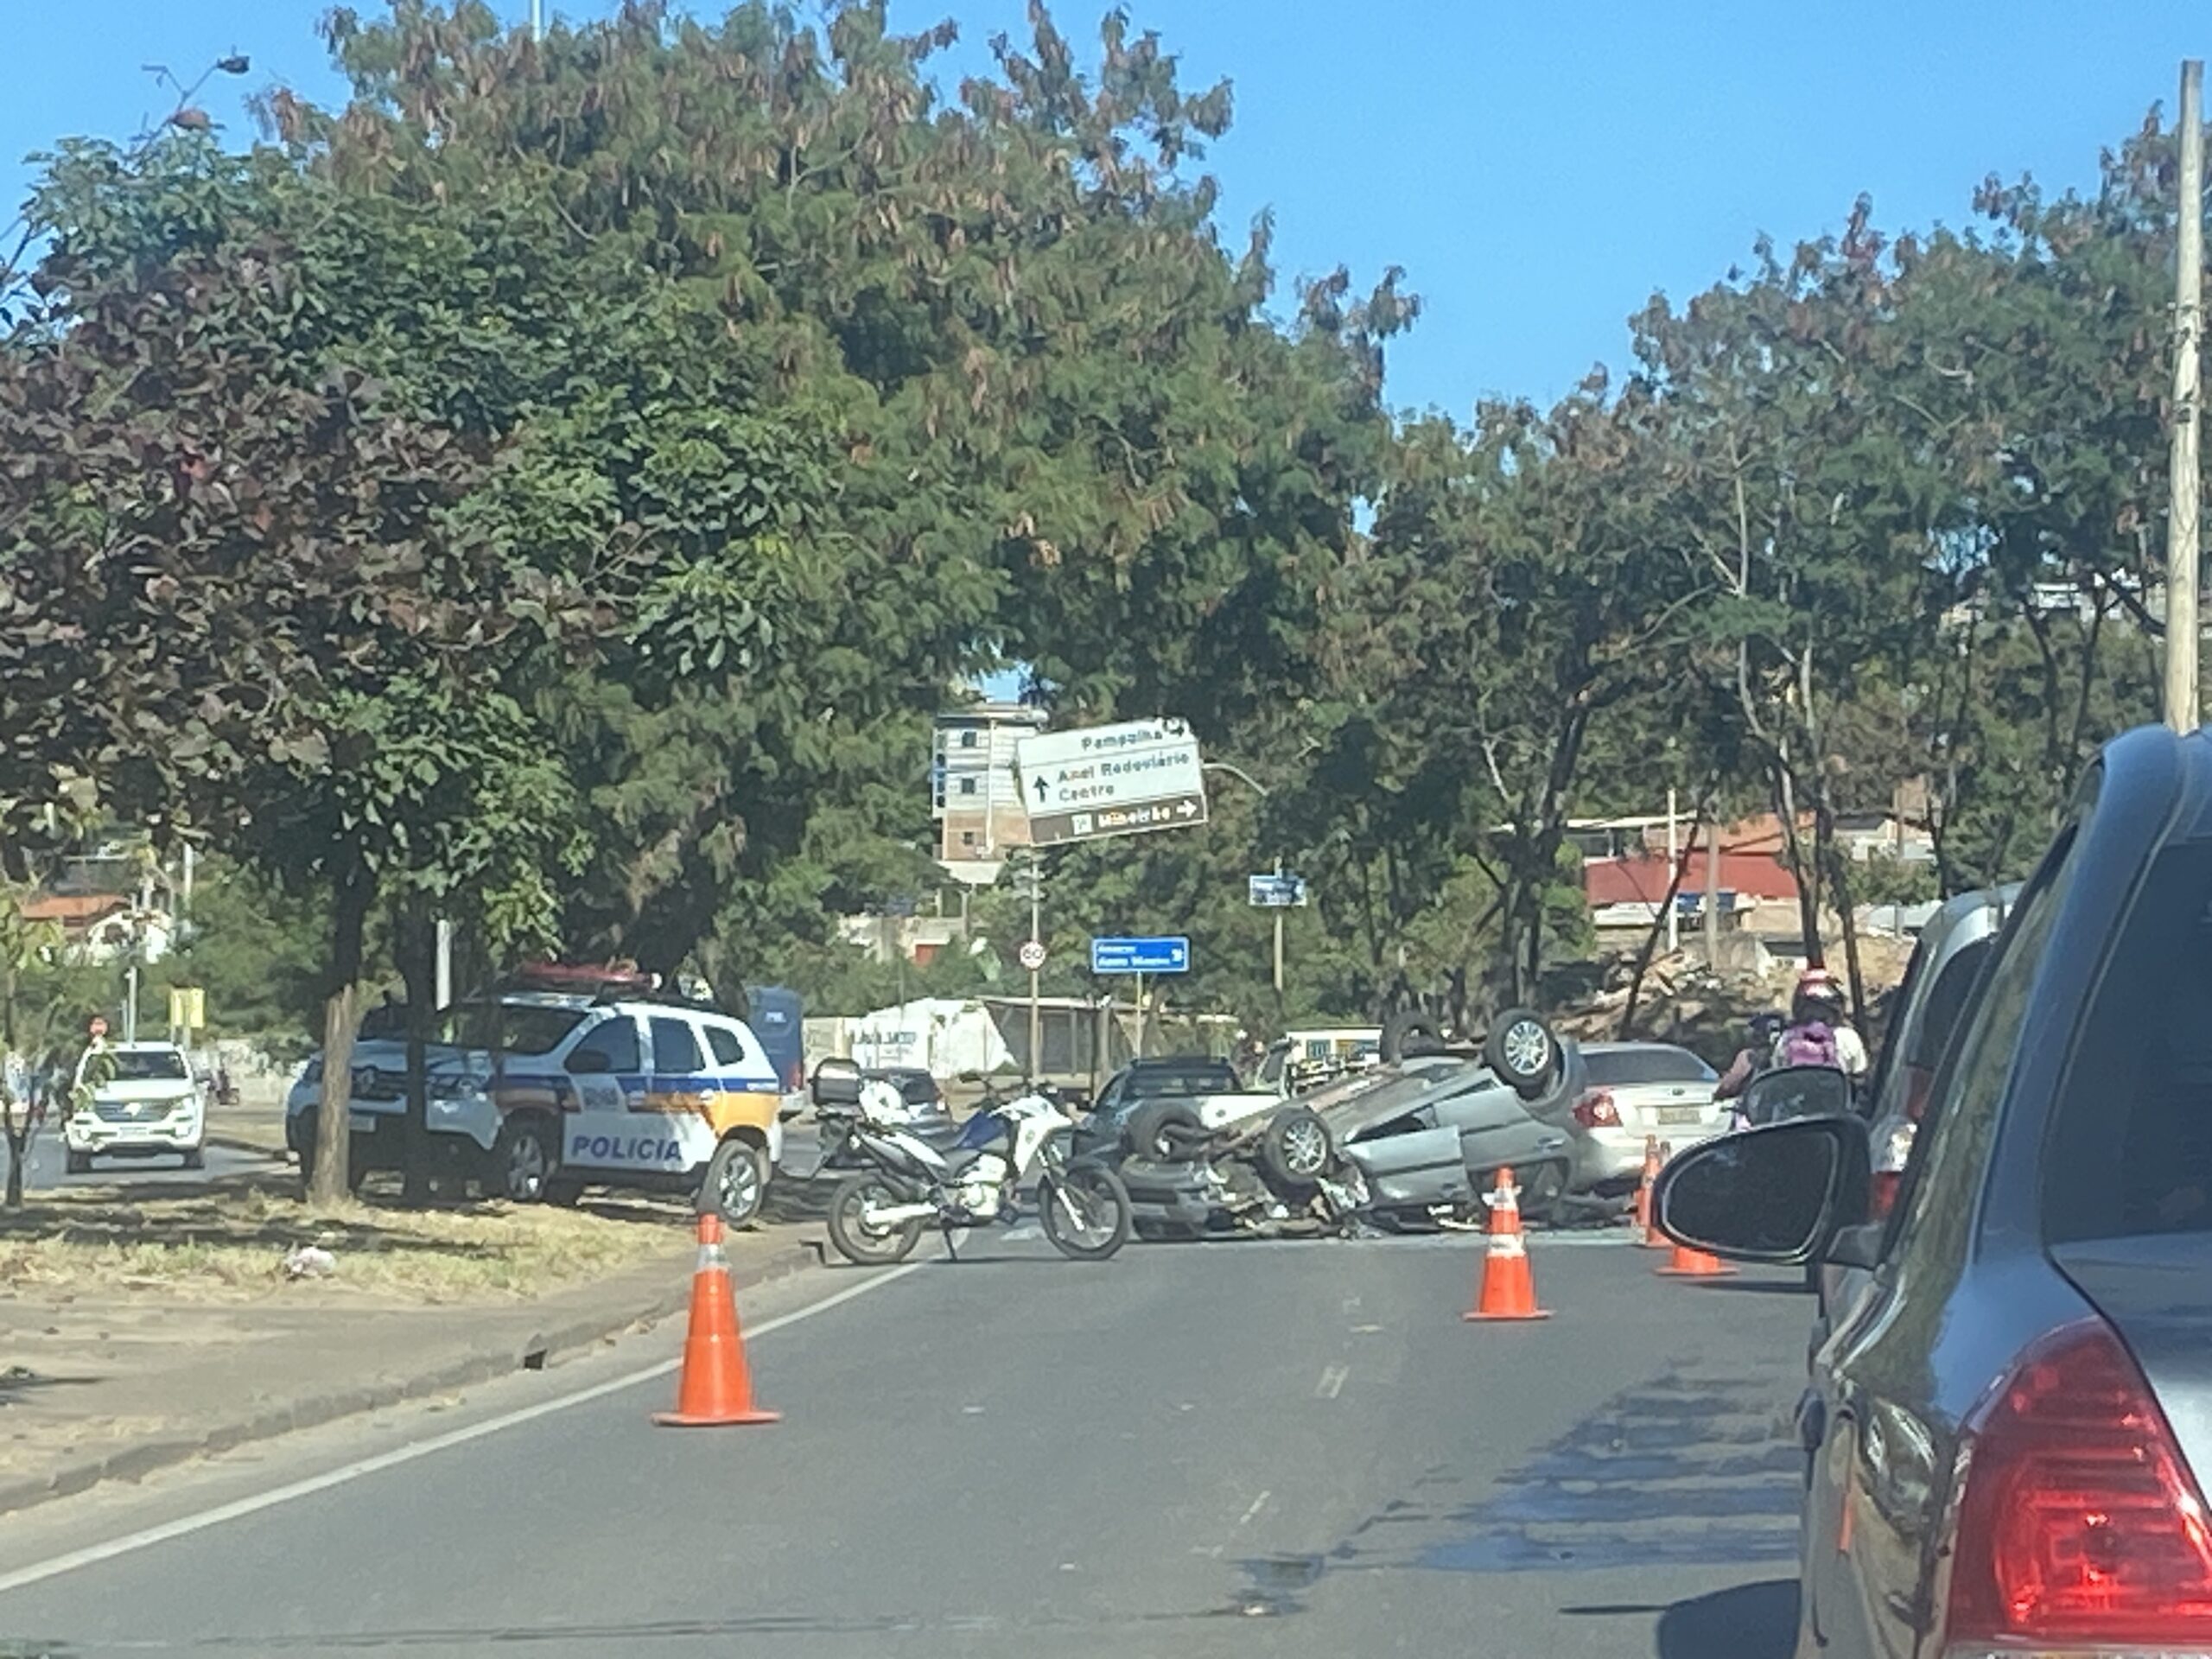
[(1752, 1621), (1755, 1286)]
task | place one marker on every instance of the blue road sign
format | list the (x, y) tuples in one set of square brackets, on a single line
[(1157, 956)]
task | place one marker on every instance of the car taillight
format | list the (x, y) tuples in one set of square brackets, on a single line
[(2082, 1529), (1596, 1110), (1882, 1193)]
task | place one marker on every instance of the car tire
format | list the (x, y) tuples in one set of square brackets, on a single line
[(523, 1159), (563, 1191), (195, 1159), (1163, 1129), (1410, 1034), (78, 1163), (1523, 1051), (1295, 1147), (736, 1182)]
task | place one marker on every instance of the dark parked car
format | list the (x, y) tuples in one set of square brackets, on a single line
[(2006, 1433)]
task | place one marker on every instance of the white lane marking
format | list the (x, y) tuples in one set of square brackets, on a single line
[(1258, 1503), (1333, 1382), (184, 1526)]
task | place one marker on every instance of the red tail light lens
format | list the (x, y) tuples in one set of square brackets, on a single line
[(1596, 1110), (1882, 1193), (2081, 1524)]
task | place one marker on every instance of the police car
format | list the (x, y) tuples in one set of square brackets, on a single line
[(566, 1081)]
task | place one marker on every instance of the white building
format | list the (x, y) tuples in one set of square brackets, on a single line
[(974, 795)]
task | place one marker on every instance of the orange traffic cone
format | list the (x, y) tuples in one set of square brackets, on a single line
[(1653, 1238), (1507, 1289), (1687, 1263), (715, 1387)]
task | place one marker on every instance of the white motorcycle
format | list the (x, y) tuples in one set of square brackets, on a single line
[(905, 1179)]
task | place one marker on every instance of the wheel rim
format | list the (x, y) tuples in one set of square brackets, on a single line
[(1076, 1210), (1527, 1047), (739, 1190), (525, 1167), (1304, 1149)]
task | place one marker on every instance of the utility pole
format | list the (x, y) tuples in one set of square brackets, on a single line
[(2183, 551), (536, 19), (1712, 885), (1278, 946), (1036, 871), (1674, 912)]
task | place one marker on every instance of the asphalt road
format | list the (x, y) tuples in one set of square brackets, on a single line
[(46, 1166), (1214, 1449)]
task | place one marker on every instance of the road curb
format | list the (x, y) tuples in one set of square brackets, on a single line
[(267, 1420)]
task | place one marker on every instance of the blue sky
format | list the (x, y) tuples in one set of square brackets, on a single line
[(1539, 170)]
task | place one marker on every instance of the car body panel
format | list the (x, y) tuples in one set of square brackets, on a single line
[(1975, 1266), (1679, 1111)]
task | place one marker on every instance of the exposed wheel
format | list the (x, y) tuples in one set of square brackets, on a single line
[(1522, 1050), (1085, 1211), (857, 1238), (737, 1181), (1410, 1034), (195, 1159), (78, 1163), (1163, 1128), (523, 1159), (1295, 1147)]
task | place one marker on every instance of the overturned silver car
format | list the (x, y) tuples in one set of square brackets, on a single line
[(1416, 1142)]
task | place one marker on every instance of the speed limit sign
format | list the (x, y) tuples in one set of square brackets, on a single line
[(1031, 955)]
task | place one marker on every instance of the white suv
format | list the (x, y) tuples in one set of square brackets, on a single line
[(536, 1094), (144, 1103)]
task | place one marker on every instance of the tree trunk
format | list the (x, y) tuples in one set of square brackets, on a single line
[(418, 951), (1838, 882), (326, 1182), (19, 1146), (1804, 871), (1651, 936)]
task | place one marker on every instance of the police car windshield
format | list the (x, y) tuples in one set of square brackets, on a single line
[(512, 1028)]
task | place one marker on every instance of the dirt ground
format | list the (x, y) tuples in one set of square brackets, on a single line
[(228, 1241)]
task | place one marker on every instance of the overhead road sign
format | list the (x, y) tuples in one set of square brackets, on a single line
[(1275, 892), (1168, 955), (1110, 781)]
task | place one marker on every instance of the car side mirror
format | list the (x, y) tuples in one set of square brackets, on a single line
[(1776, 1194), (836, 1083), (1796, 1091), (591, 1063)]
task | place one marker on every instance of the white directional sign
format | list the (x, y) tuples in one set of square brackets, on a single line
[(1110, 781)]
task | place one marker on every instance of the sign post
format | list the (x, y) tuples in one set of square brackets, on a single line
[(1139, 956), (1124, 779), (1277, 893)]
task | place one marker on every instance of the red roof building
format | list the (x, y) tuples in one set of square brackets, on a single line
[(1749, 876)]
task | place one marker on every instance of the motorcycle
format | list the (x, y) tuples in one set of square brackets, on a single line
[(904, 1180)]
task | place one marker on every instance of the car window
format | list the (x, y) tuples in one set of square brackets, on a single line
[(728, 1048), (511, 1028), (1947, 1001), (676, 1049), (1645, 1065), (2130, 1150), (617, 1039), (1935, 1204), (1159, 1085), (148, 1065)]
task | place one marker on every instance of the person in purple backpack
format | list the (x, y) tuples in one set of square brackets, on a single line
[(1819, 1032)]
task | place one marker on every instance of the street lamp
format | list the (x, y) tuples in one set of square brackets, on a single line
[(1246, 778)]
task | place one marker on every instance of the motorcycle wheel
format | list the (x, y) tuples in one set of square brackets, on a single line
[(1099, 1226), (870, 1246)]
